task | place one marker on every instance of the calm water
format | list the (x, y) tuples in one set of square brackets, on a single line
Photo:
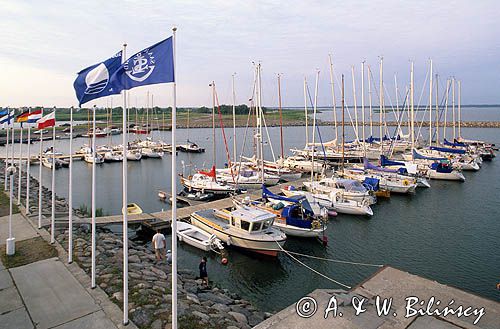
[(449, 233)]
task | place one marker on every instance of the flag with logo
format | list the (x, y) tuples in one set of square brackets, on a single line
[(34, 116), (3, 112), (23, 117), (47, 121), (7, 118), (149, 66), (94, 81)]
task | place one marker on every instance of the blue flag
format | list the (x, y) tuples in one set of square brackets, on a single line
[(7, 118), (152, 65), (94, 81), (3, 112)]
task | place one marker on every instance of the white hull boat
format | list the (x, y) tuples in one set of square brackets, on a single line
[(198, 238)]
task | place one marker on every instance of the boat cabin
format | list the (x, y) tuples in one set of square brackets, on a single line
[(251, 220)]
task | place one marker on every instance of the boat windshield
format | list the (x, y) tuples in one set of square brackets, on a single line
[(245, 225), (256, 226), (266, 224)]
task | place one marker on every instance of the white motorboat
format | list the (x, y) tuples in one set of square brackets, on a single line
[(248, 228), (134, 155), (112, 157), (148, 152), (198, 238), (47, 162), (90, 159), (334, 201)]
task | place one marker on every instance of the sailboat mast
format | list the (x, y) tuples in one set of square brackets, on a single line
[(437, 111), (363, 106), (281, 117), (459, 110), (259, 121), (453, 106), (355, 104), (305, 110), (430, 105), (381, 105), (333, 99), (412, 117), (369, 73), (214, 157), (234, 120), (314, 123), (446, 107), (343, 129), (147, 114)]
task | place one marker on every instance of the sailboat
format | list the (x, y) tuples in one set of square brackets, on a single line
[(190, 147)]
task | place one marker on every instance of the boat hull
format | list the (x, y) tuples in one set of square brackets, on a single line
[(269, 248)]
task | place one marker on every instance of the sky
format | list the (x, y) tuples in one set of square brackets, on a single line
[(44, 44)]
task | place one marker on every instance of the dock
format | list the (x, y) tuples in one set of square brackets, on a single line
[(403, 289), (162, 219)]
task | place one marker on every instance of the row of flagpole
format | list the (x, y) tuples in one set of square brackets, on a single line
[(124, 189)]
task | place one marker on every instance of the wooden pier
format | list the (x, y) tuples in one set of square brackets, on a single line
[(162, 219)]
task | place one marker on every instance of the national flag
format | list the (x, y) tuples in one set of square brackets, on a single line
[(152, 65), (4, 112), (7, 118), (23, 117), (34, 116), (47, 121), (93, 82)]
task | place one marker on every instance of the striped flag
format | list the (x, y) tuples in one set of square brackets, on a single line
[(47, 121), (23, 117), (7, 118), (34, 116)]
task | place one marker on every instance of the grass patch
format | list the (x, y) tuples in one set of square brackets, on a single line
[(28, 251), (4, 205)]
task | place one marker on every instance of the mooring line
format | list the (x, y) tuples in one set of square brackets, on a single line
[(334, 260), (311, 269)]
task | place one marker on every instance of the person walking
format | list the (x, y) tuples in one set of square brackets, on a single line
[(159, 245), (203, 271)]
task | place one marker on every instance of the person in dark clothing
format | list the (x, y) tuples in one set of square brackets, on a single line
[(203, 271)]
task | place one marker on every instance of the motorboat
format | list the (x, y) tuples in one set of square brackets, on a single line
[(98, 159), (294, 215), (112, 156), (151, 153), (134, 155), (248, 228), (190, 147), (198, 238), (48, 161)]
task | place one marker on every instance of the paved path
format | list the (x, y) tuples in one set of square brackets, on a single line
[(50, 293)]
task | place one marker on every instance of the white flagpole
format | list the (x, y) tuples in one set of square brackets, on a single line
[(53, 215), (174, 198), (28, 158), (70, 192), (40, 180), (7, 148), (12, 154), (20, 166), (125, 200), (93, 198)]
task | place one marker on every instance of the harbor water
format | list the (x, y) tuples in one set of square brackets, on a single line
[(449, 233)]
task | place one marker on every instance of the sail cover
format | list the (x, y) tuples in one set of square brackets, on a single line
[(447, 150), (417, 155)]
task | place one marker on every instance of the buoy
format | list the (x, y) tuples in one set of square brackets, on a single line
[(224, 261)]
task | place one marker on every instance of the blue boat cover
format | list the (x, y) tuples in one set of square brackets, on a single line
[(455, 143), (447, 150), (417, 155), (268, 194), (442, 167), (368, 165), (384, 161), (371, 184)]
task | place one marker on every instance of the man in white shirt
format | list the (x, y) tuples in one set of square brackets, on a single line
[(159, 245)]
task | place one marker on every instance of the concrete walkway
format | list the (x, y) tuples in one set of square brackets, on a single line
[(51, 293)]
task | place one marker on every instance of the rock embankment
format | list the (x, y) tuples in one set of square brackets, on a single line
[(150, 287)]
